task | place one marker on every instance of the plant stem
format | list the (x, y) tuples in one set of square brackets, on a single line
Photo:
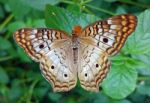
[(134, 3), (67, 2), (31, 90), (87, 1), (101, 10), (5, 58), (84, 3), (6, 21), (144, 78), (88, 11)]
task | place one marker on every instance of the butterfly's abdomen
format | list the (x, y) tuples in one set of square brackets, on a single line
[(75, 47), (75, 55)]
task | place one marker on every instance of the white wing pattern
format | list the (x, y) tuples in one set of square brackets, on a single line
[(49, 47), (85, 53)]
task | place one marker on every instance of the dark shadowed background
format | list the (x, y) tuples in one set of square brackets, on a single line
[(20, 79)]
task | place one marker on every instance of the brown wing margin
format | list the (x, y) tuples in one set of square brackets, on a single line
[(127, 26)]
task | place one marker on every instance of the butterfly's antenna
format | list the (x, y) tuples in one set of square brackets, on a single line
[(77, 30)]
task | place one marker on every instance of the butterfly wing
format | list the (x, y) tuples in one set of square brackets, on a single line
[(100, 40), (49, 47), (94, 66)]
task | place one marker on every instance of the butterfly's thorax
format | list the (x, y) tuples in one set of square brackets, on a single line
[(75, 42)]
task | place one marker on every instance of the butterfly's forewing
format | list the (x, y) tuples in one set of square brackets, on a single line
[(102, 39), (49, 47), (112, 33)]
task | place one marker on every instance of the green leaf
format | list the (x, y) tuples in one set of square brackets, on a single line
[(59, 18), (121, 10), (4, 78), (54, 96), (40, 92), (118, 101), (4, 1), (111, 0), (14, 92), (138, 44), (144, 88), (73, 8), (137, 98), (1, 12), (18, 8), (144, 1), (100, 8), (4, 44), (16, 25), (128, 62), (139, 41), (144, 70), (102, 98), (121, 81), (118, 60), (40, 4), (23, 56), (39, 23), (70, 100), (135, 63)]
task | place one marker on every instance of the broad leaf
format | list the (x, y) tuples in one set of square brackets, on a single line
[(139, 41), (4, 44), (40, 4), (144, 88), (120, 82), (64, 20), (4, 78), (18, 8), (12, 27), (54, 96), (138, 44)]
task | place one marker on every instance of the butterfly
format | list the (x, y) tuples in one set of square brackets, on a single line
[(83, 55)]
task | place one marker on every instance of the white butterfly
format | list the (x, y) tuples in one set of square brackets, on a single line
[(85, 53)]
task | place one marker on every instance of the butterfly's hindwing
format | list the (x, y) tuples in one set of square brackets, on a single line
[(93, 67), (59, 70)]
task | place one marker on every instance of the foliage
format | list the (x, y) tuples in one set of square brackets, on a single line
[(20, 80)]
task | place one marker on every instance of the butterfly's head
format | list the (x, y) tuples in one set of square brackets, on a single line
[(77, 30)]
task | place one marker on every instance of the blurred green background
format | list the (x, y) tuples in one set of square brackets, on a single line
[(20, 79)]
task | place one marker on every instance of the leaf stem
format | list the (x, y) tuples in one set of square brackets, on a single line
[(67, 2), (31, 90), (100, 9), (70, 2), (86, 1), (144, 78), (88, 11), (134, 3), (6, 21), (5, 58)]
